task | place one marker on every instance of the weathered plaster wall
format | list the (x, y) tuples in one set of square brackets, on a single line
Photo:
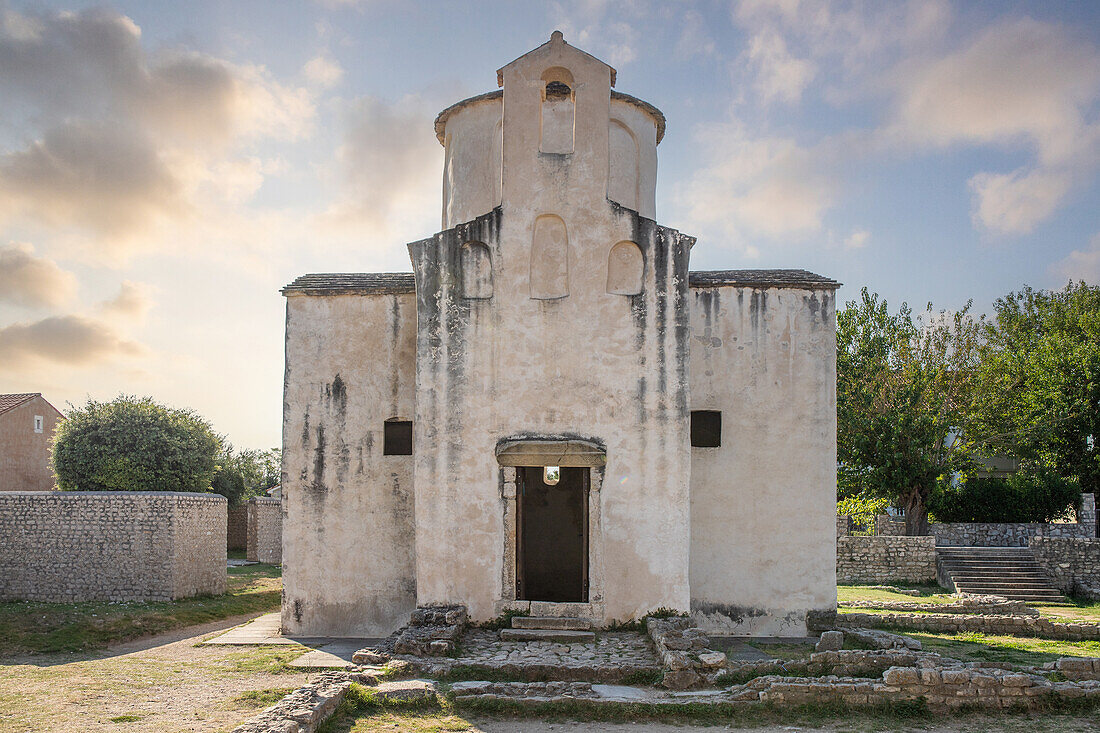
[(349, 367), (70, 546), (603, 367), (766, 359), (472, 164)]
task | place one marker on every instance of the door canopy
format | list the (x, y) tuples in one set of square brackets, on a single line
[(550, 453)]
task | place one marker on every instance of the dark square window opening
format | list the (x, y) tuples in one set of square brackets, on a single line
[(397, 440), (706, 429)]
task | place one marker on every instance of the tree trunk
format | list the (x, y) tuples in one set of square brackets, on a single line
[(916, 513)]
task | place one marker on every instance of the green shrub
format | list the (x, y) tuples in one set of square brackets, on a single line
[(1039, 496), (134, 444), (862, 510)]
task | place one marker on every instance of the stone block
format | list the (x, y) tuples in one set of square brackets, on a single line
[(830, 641)]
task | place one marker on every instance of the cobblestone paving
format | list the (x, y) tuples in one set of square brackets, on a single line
[(612, 656)]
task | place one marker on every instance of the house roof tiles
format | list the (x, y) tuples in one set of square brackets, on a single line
[(11, 401)]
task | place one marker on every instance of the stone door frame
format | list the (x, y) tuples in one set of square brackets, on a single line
[(564, 453)]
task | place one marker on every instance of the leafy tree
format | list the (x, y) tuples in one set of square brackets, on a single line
[(905, 387), (247, 473), (134, 444), (1041, 382)]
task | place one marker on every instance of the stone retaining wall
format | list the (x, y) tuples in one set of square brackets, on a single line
[(1032, 626), (265, 530), (1072, 564), (866, 560), (69, 546), (989, 534), (236, 530)]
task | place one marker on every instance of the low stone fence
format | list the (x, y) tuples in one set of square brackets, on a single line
[(265, 530), (236, 528), (885, 560), (988, 534), (67, 546), (1035, 626), (1072, 564)]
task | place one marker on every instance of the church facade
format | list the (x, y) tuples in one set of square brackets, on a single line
[(552, 413)]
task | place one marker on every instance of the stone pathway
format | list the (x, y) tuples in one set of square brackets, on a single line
[(326, 652), (612, 657), (480, 646)]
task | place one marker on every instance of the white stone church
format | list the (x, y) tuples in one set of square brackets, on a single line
[(552, 413)]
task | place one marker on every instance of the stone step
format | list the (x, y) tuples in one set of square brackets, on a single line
[(561, 636), (558, 623), (1010, 573)]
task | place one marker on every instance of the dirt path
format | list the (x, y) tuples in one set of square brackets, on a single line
[(163, 684)]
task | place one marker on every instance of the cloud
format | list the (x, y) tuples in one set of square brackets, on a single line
[(1014, 203), (766, 186), (70, 340), (29, 280), (120, 140), (1081, 264), (1017, 81), (132, 301), (858, 239), (91, 64), (100, 177), (323, 71), (695, 39), (601, 27), (779, 75), (390, 163)]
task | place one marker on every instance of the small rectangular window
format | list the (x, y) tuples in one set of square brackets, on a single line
[(38, 423), (398, 438), (706, 428)]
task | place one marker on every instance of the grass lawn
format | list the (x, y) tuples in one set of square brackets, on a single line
[(974, 647), (41, 628), (1079, 611), (928, 594)]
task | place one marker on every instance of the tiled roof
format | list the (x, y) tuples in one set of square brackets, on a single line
[(379, 283), (760, 279), (388, 283), (10, 401)]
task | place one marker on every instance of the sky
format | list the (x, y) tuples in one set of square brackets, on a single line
[(166, 167)]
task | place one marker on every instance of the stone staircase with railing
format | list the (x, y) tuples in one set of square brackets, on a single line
[(1010, 572)]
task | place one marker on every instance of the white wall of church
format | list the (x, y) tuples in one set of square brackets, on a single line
[(553, 353), (763, 504), (348, 541)]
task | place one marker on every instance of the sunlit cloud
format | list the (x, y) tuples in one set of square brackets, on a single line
[(27, 279), (72, 340)]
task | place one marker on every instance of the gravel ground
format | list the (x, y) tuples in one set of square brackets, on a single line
[(163, 684)]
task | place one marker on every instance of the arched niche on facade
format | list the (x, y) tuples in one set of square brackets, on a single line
[(558, 111), (476, 267), (623, 164), (549, 258), (625, 268)]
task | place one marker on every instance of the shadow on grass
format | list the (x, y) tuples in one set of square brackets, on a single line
[(31, 628)]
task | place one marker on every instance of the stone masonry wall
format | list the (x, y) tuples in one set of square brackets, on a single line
[(1072, 564), (237, 528), (991, 534), (69, 546), (885, 559), (265, 530)]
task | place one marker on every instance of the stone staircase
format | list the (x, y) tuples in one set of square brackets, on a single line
[(1010, 572), (561, 629)]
